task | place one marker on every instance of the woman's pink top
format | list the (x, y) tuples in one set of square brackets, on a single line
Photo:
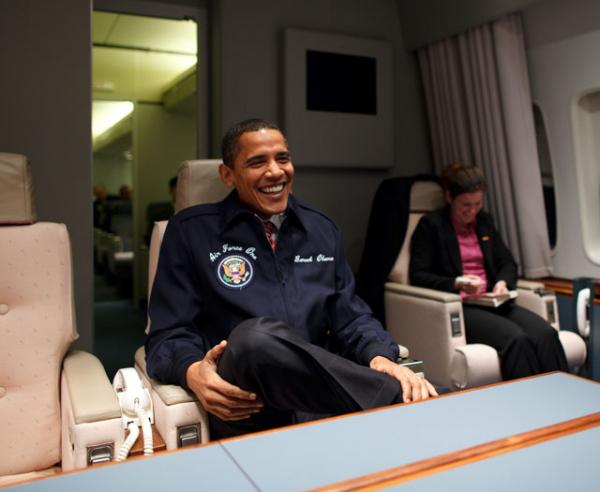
[(471, 255)]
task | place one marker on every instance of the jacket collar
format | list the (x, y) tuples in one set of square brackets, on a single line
[(233, 210)]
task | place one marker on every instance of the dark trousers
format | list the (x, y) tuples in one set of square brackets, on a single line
[(526, 343), (291, 375)]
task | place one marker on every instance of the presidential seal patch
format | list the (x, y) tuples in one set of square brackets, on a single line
[(235, 271)]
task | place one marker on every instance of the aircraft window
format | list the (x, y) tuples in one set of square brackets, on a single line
[(585, 113), (546, 170)]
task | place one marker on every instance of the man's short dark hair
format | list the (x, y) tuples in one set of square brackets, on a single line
[(230, 144), (173, 182)]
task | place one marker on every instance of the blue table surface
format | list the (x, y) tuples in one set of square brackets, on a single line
[(299, 458), (207, 468), (308, 456), (564, 464)]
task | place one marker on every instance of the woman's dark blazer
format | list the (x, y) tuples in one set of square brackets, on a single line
[(435, 260)]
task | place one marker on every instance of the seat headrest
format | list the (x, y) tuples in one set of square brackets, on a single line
[(426, 196), (198, 182), (16, 190)]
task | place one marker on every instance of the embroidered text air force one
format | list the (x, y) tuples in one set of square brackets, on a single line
[(217, 269)]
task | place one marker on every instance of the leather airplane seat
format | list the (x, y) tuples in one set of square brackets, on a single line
[(431, 322), (58, 410)]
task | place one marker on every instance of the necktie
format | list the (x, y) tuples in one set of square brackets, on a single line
[(271, 233)]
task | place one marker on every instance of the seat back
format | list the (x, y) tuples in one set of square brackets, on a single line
[(429, 322), (178, 410), (36, 324), (198, 182), (425, 196)]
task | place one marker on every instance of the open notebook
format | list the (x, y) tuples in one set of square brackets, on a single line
[(490, 299)]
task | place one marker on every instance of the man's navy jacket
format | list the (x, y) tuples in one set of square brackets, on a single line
[(217, 269)]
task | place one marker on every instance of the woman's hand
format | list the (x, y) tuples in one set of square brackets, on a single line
[(468, 283), (500, 287)]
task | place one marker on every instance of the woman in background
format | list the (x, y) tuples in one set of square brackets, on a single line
[(458, 249)]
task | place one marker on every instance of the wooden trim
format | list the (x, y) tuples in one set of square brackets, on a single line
[(564, 286), (559, 285), (412, 471), (138, 446)]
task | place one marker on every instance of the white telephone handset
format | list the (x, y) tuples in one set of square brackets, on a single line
[(136, 406), (583, 307)]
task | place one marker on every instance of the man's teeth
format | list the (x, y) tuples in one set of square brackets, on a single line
[(272, 189)]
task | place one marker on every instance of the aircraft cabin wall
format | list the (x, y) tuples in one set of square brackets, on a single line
[(562, 39), (46, 106), (564, 64), (46, 114), (251, 62)]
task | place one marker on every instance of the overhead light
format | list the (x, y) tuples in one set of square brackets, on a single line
[(106, 114), (107, 86)]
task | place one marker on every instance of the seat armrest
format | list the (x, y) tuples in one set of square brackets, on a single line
[(575, 349), (523, 284), (533, 297), (91, 392), (430, 325), (474, 365), (543, 302), (403, 351), (175, 409), (170, 394), (92, 428), (421, 292)]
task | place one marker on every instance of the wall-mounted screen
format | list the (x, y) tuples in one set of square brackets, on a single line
[(341, 83), (338, 104)]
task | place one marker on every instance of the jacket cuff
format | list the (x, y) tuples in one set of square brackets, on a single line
[(451, 286), (181, 366), (377, 348)]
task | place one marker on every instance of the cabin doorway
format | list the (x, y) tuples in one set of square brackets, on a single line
[(148, 115)]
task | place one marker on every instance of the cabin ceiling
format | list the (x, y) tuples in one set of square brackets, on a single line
[(427, 21), (139, 58)]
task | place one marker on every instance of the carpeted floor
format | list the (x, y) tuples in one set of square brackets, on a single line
[(118, 326)]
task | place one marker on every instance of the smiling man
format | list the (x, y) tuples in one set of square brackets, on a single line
[(253, 305), (260, 169)]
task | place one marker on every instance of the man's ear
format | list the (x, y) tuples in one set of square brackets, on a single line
[(226, 174)]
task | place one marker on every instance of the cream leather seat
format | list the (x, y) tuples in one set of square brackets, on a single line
[(57, 407), (179, 417), (431, 322)]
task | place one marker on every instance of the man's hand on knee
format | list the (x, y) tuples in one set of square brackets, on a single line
[(222, 399), (414, 388)]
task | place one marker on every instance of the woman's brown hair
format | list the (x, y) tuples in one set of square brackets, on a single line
[(460, 178)]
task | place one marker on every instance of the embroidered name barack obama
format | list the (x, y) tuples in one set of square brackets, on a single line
[(320, 258)]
